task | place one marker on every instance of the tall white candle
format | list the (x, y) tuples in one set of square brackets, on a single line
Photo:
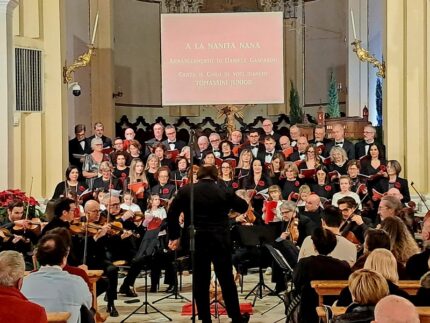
[(353, 25), (95, 29)]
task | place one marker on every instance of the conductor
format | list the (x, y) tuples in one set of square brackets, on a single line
[(212, 239)]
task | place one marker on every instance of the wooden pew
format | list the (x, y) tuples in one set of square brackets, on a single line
[(58, 317), (423, 311), (334, 287)]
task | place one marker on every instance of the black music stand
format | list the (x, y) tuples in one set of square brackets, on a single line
[(175, 294), (257, 236), (147, 249), (215, 301)]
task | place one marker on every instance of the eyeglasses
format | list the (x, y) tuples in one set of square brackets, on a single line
[(286, 212), (215, 140)]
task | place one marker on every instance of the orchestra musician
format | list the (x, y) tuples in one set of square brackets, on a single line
[(71, 183), (353, 226)]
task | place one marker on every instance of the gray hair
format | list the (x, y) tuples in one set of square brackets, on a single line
[(12, 268), (288, 206), (96, 141)]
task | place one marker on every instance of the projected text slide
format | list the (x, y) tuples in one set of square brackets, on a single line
[(222, 58)]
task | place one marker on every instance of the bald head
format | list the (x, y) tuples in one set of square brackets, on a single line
[(395, 309), (91, 205), (396, 193), (312, 203)]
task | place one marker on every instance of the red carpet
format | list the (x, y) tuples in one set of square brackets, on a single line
[(244, 308)]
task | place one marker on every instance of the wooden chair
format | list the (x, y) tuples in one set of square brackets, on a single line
[(334, 287)]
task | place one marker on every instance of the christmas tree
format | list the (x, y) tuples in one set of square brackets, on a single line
[(296, 114), (379, 102), (333, 99)]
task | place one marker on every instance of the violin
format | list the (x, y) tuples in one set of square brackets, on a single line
[(7, 234), (33, 225), (82, 227), (293, 230)]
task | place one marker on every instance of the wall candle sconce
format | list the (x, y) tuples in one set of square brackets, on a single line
[(364, 55), (84, 59)]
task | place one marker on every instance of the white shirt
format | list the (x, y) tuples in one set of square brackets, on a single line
[(133, 207), (336, 197), (344, 250), (57, 291)]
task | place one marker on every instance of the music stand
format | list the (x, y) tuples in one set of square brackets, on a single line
[(175, 294), (285, 267), (147, 248), (258, 236)]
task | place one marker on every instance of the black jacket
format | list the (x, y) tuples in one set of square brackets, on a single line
[(356, 313), (347, 146)]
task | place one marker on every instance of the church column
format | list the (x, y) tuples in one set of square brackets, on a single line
[(102, 67), (357, 71), (406, 118), (7, 99)]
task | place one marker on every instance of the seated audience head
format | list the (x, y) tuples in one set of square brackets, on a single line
[(331, 217), (64, 234), (65, 209), (367, 287), (389, 206), (395, 192), (376, 238), (12, 269), (52, 250), (324, 241), (312, 203), (383, 262), (403, 244), (395, 309)]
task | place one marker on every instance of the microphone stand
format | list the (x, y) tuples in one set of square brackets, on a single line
[(421, 196), (191, 228)]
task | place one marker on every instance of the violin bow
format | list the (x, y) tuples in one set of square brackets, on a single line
[(420, 195)]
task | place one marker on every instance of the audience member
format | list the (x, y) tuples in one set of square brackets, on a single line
[(395, 309), (14, 306)]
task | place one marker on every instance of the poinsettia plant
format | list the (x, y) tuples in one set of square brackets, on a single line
[(12, 195)]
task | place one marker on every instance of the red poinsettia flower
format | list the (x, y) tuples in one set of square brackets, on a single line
[(235, 185), (397, 185), (165, 191), (261, 183), (296, 183), (81, 188), (111, 186), (123, 175), (383, 168), (327, 188)]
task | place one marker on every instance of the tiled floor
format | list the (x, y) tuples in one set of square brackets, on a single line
[(173, 307)]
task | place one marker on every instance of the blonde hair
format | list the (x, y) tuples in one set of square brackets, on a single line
[(274, 188), (291, 166), (134, 177), (367, 287), (304, 189), (12, 268), (384, 262), (403, 245), (105, 166), (339, 150)]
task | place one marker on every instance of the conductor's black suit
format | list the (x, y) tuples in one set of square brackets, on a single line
[(212, 241)]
